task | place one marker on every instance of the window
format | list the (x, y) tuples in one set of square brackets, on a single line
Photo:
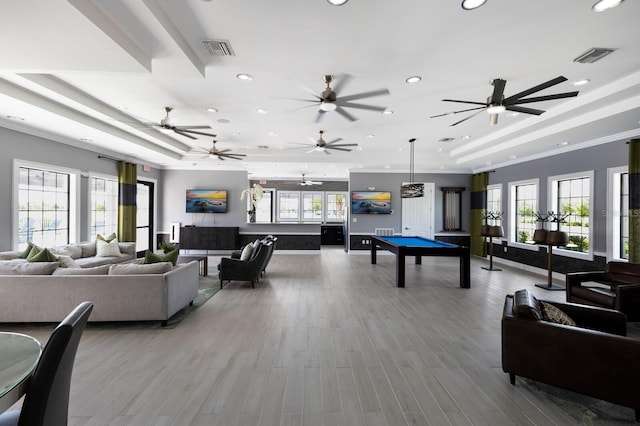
[(264, 208), (103, 206), (336, 203), (617, 214), (289, 206), (494, 203), (46, 204), (312, 206), (571, 196), (523, 202)]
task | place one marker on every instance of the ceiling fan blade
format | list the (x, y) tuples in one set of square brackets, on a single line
[(194, 132), (302, 86), (334, 141), (465, 102), (524, 110), (222, 151), (341, 81), (337, 148), (319, 116), (360, 106), (314, 104), (498, 91), (233, 156), (363, 95), (466, 118), (326, 152), (535, 89), (191, 127), (457, 112), (340, 145), (220, 157), (345, 114), (182, 132), (544, 98), (310, 151)]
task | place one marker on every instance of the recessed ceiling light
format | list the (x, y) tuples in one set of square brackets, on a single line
[(223, 121), (581, 82), (487, 163), (14, 117), (512, 157), (211, 109), (413, 79), (441, 167), (398, 149), (387, 112), (370, 135), (273, 134), (472, 4), (337, 2), (387, 166), (234, 133), (465, 137), (262, 111), (603, 5), (513, 114), (439, 149), (564, 143), (122, 107), (86, 140), (244, 77), (360, 148)]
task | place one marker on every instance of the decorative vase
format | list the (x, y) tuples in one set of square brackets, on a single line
[(540, 236), (252, 215)]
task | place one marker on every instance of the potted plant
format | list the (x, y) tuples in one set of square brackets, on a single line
[(255, 195)]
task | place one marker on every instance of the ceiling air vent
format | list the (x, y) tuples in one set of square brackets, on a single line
[(446, 140), (219, 47), (592, 55)]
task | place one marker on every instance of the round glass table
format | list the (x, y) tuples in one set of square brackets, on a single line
[(19, 355)]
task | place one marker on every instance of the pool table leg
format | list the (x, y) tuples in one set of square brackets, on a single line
[(373, 253), (400, 258), (465, 269)]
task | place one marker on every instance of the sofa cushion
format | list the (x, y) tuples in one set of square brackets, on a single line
[(90, 262), (107, 249), (525, 305), (43, 255), (553, 314), (74, 250), (88, 249), (11, 255), (28, 268), (67, 262), (127, 249), (108, 238), (135, 269), (172, 256), (96, 270), (246, 252)]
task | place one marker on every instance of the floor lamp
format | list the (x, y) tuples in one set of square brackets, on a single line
[(491, 231)]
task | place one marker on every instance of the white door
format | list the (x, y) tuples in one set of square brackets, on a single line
[(418, 218)]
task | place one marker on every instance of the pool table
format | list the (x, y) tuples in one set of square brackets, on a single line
[(419, 246)]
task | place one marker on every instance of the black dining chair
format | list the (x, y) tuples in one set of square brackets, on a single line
[(46, 401)]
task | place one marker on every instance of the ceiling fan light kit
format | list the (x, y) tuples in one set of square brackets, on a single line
[(603, 5), (337, 2)]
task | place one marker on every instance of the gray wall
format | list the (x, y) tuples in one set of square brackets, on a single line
[(598, 159), (21, 146), (366, 224)]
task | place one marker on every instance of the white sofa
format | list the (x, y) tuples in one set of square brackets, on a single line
[(121, 295), (84, 254)]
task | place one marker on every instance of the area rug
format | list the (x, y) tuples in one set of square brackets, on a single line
[(583, 409)]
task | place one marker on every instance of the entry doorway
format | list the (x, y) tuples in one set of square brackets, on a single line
[(145, 200), (418, 217)]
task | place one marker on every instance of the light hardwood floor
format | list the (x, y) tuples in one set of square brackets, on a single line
[(324, 339)]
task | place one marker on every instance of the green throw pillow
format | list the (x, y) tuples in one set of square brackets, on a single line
[(172, 256), (43, 255), (27, 251), (108, 238), (34, 251)]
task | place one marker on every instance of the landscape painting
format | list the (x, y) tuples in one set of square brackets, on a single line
[(371, 202), (206, 201)]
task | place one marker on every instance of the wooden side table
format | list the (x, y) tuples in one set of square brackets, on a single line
[(203, 262)]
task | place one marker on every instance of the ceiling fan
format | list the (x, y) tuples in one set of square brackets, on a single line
[(222, 154), (329, 100), (186, 131), (497, 103), (322, 146), (306, 182)]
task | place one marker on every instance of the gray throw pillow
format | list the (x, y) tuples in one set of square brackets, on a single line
[(28, 268), (96, 270), (135, 269)]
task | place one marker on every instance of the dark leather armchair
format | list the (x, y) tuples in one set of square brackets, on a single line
[(594, 358), (617, 287), (245, 270)]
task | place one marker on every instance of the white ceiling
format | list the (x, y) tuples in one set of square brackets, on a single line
[(95, 73)]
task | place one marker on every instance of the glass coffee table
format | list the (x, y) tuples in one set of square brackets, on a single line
[(19, 355)]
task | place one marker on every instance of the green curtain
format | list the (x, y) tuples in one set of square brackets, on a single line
[(479, 184), (127, 181), (634, 201)]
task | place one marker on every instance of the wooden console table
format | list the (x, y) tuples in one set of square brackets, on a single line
[(210, 237)]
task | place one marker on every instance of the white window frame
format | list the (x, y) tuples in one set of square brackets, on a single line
[(272, 206), (322, 207), (613, 212), (74, 196), (286, 219), (552, 203), (512, 212), (499, 222), (327, 194), (93, 175)]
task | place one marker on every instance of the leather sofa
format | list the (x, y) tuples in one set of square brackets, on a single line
[(594, 358), (617, 287)]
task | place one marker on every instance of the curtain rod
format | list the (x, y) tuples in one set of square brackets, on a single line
[(104, 157)]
